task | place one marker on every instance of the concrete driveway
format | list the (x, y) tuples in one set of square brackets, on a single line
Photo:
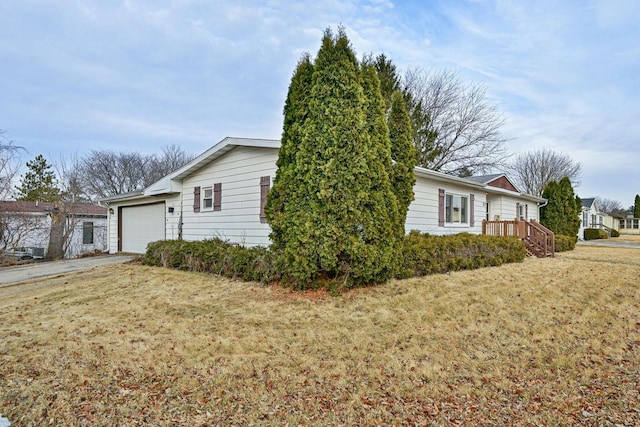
[(610, 243), (12, 275)]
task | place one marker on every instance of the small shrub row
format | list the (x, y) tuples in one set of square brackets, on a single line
[(615, 233), (422, 254), (594, 234), (216, 256), (565, 243), (425, 254)]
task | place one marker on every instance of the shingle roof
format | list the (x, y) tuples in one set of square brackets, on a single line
[(43, 207), (485, 179), (586, 203)]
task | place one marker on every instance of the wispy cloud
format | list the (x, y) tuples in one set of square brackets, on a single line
[(566, 74)]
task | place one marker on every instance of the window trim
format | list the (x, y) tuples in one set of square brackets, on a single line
[(86, 226), (464, 210), (204, 198)]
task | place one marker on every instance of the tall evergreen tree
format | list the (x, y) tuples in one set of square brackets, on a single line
[(562, 212), (404, 156), (39, 183), (341, 223), (285, 191), (389, 78), (636, 207)]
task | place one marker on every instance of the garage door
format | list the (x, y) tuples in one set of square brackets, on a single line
[(141, 225)]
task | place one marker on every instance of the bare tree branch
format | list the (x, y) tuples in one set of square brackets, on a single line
[(456, 128), (611, 207), (533, 170)]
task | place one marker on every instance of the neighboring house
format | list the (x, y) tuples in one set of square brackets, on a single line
[(222, 193), (590, 217), (629, 225), (25, 228)]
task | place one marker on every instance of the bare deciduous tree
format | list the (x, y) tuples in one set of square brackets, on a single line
[(171, 158), (455, 128), (104, 173), (533, 170), (611, 207), (9, 165)]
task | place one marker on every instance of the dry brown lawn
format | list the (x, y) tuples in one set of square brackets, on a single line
[(543, 342)]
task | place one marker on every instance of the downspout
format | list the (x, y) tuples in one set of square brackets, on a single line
[(180, 215)]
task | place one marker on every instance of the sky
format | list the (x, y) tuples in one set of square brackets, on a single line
[(78, 75)]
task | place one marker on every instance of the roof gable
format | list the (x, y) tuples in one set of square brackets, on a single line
[(499, 180), (588, 202)]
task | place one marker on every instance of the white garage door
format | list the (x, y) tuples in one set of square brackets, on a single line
[(141, 225)]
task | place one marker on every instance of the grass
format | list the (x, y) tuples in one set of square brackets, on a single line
[(544, 342)]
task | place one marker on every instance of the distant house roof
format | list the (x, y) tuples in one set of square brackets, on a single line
[(498, 180), (587, 203), (44, 207)]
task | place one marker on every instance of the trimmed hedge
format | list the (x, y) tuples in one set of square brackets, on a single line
[(422, 254), (615, 233), (565, 243), (216, 256), (594, 234), (425, 254)]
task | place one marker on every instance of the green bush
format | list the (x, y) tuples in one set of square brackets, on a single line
[(615, 233), (594, 234), (215, 256), (425, 254), (422, 254), (565, 243)]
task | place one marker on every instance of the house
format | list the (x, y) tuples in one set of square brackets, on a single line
[(222, 193), (629, 225), (25, 228), (590, 217)]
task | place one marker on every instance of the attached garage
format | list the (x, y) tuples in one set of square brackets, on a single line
[(139, 225)]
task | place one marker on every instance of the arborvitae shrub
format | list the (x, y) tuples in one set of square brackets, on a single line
[(594, 234), (425, 254), (257, 264), (565, 243)]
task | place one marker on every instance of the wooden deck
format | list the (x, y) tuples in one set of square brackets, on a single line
[(539, 240)]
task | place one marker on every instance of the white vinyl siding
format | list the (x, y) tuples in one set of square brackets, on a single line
[(423, 211), (239, 172)]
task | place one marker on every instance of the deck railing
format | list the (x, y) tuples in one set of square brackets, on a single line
[(537, 237)]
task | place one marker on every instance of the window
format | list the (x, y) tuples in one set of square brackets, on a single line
[(207, 198), (265, 183), (87, 233), (521, 211), (593, 220), (585, 219), (622, 223), (635, 223), (456, 209), (487, 211)]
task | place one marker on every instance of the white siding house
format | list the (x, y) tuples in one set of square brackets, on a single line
[(590, 217), (25, 227), (221, 193)]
